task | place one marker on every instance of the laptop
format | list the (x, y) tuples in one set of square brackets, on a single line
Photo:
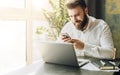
[(60, 53)]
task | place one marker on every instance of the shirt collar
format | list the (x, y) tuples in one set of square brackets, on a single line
[(90, 22)]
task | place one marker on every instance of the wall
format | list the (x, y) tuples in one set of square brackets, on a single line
[(112, 17)]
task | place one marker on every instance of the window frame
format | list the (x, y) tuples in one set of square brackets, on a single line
[(28, 14)]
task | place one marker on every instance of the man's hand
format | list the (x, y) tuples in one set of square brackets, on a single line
[(77, 44), (65, 37)]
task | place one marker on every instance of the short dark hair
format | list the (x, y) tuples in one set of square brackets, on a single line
[(74, 3)]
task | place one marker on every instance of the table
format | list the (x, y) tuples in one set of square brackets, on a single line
[(53, 69), (41, 68)]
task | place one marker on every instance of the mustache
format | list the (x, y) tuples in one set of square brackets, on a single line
[(78, 21)]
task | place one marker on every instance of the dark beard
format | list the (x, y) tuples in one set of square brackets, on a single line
[(84, 22)]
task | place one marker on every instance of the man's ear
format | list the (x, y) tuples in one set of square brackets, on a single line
[(86, 10)]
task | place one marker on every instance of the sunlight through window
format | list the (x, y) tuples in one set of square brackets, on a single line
[(41, 4), (12, 3), (12, 45)]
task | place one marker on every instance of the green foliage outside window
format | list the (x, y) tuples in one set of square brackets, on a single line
[(57, 18)]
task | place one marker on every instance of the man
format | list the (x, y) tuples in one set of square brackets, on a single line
[(88, 34)]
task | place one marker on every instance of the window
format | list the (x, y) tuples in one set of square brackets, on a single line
[(48, 24), (39, 20), (18, 21), (12, 45), (39, 5), (12, 3), (15, 28), (38, 37)]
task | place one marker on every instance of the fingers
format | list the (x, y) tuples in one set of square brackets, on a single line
[(67, 40), (65, 35), (78, 44)]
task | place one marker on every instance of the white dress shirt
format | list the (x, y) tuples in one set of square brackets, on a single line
[(97, 38)]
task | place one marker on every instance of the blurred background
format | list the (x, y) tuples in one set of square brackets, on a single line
[(23, 23), (108, 10)]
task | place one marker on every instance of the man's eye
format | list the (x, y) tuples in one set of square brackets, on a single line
[(70, 16)]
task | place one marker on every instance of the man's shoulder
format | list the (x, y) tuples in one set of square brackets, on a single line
[(93, 19), (98, 23)]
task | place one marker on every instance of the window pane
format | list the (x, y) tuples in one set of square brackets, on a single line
[(12, 45), (38, 4), (39, 34), (12, 3)]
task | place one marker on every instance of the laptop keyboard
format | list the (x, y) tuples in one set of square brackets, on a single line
[(83, 60)]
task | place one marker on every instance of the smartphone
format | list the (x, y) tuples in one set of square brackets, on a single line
[(66, 35)]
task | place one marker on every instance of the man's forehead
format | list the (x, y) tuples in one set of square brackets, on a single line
[(75, 10)]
